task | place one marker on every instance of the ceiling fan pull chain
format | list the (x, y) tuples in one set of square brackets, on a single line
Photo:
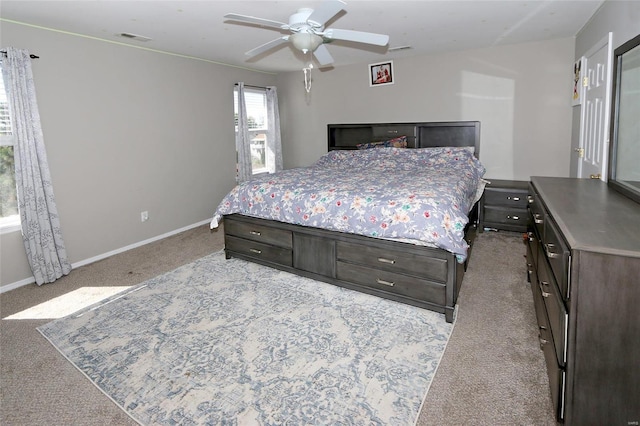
[(307, 79)]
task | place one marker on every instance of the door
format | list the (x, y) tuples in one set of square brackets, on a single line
[(594, 126)]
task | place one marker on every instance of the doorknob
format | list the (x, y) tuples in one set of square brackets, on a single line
[(580, 152)]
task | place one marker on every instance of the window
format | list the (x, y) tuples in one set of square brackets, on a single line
[(256, 103), (9, 219)]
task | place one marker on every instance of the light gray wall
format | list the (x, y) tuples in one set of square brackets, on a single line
[(622, 18), (127, 130), (521, 94)]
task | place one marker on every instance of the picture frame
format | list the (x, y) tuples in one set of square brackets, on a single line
[(381, 74), (578, 88)]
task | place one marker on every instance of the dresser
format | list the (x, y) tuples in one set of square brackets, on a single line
[(504, 205), (583, 263)]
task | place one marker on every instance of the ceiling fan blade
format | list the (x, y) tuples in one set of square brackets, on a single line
[(258, 21), (357, 36), (325, 11), (267, 46), (323, 56)]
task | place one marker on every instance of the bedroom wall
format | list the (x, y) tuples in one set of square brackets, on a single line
[(126, 130), (521, 94), (622, 18)]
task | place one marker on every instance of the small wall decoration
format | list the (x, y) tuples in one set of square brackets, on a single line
[(381, 74), (577, 82)]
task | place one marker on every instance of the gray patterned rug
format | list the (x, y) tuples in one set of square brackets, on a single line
[(230, 342)]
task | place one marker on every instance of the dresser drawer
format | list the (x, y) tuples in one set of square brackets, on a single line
[(258, 250), (390, 282), (557, 252), (536, 210), (258, 232), (555, 374), (505, 215), (505, 197), (556, 311), (395, 261)]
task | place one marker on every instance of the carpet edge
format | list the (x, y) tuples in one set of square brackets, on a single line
[(426, 393), (87, 377)]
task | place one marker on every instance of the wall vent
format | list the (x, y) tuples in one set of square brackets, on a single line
[(134, 37), (395, 49)]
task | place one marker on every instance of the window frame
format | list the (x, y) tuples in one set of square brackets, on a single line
[(261, 132), (8, 223)]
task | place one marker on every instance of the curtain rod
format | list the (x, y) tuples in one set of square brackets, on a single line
[(252, 87), (4, 52)]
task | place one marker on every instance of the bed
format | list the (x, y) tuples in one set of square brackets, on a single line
[(397, 222)]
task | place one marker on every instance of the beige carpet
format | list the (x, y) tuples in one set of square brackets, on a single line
[(492, 372)]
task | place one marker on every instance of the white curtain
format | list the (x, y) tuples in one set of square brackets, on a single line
[(274, 143), (243, 141), (38, 213)]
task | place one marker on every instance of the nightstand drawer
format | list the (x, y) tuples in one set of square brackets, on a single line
[(505, 216), (504, 205), (505, 197)]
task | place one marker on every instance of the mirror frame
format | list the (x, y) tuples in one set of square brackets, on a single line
[(612, 182)]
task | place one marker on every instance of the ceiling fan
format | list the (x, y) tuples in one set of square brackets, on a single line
[(308, 33)]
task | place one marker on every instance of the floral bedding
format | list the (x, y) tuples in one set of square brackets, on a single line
[(421, 196)]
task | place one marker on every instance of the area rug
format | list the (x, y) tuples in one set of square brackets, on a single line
[(230, 342)]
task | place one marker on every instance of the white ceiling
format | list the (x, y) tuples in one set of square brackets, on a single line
[(198, 28)]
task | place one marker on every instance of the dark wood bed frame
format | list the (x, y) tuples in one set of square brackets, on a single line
[(417, 275)]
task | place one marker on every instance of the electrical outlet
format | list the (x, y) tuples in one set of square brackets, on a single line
[(144, 216)]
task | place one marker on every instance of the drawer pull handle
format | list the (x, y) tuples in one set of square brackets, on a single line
[(256, 251), (389, 283), (543, 342), (548, 250), (542, 327), (255, 233), (530, 199), (513, 217), (513, 198), (536, 218), (383, 260), (544, 293)]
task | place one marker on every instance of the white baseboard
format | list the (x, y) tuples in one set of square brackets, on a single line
[(31, 280), (17, 284)]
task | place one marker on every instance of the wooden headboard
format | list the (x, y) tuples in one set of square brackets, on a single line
[(419, 135)]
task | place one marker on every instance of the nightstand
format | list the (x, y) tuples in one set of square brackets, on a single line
[(503, 205)]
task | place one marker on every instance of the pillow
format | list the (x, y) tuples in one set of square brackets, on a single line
[(399, 142)]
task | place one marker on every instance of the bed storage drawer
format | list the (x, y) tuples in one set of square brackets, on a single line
[(257, 232), (390, 282), (395, 261), (257, 250)]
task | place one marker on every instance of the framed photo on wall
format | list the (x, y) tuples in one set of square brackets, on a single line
[(381, 74), (578, 89)]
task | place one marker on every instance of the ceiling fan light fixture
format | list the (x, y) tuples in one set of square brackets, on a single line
[(306, 42)]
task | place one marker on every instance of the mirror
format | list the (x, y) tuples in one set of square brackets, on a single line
[(624, 149)]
